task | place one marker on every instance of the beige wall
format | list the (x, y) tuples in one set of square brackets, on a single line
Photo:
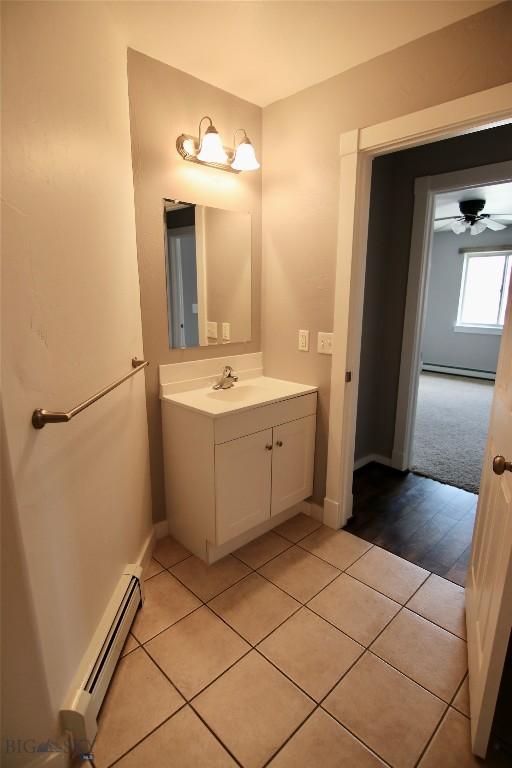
[(228, 271), (71, 324), (301, 179), (165, 102)]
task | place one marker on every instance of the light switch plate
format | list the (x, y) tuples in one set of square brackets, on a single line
[(324, 344), (304, 341), (211, 330), (226, 331)]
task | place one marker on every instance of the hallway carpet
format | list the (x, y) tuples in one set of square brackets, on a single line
[(452, 420)]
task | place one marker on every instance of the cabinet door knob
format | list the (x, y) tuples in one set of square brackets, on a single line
[(280, 443), (268, 447)]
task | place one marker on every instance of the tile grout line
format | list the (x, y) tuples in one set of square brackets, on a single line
[(161, 631), (439, 724), (435, 623), (183, 584), (215, 735), (188, 702), (356, 737), (253, 645), (150, 733), (468, 717), (402, 608)]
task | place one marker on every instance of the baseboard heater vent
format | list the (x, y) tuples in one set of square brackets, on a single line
[(80, 711)]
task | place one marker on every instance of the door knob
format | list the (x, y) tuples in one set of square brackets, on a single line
[(268, 447), (499, 465), (279, 443)]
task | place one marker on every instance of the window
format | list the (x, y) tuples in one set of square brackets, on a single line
[(484, 291)]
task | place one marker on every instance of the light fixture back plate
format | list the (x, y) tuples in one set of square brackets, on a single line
[(180, 146)]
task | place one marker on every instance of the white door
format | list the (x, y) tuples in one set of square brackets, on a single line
[(292, 463), (489, 590), (243, 472)]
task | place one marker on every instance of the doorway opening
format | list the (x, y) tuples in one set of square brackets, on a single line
[(469, 264), (428, 363)]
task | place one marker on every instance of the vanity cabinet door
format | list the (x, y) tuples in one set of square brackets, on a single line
[(243, 472), (292, 463)]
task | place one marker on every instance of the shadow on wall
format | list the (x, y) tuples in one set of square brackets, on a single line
[(389, 237)]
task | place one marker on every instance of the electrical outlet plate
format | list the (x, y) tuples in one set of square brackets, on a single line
[(226, 331), (304, 341), (212, 330), (324, 344)]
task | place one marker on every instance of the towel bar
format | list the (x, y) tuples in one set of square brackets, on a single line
[(41, 416)]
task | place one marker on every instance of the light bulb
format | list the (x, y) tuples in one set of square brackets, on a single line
[(458, 227), (189, 146), (478, 227), (212, 150), (245, 157)]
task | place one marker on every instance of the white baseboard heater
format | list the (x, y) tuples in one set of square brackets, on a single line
[(80, 711), (456, 371)]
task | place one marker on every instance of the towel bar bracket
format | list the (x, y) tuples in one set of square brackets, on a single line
[(41, 416)]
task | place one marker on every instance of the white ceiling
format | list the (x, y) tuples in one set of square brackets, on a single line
[(264, 51), (498, 199)]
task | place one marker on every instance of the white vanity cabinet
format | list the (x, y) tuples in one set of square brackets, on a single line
[(292, 463), (243, 484), (260, 475), (231, 476)]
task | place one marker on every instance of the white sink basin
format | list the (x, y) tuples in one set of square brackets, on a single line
[(238, 393), (250, 393)]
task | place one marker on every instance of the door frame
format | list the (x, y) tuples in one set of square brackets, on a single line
[(425, 190), (357, 150)]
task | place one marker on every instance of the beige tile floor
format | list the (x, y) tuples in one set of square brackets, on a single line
[(307, 647)]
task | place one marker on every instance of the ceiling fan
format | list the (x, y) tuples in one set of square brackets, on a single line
[(473, 219)]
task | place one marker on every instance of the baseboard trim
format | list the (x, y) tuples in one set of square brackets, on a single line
[(364, 460), (331, 513), (398, 461), (146, 550), (452, 371), (215, 553), (313, 509), (161, 529)]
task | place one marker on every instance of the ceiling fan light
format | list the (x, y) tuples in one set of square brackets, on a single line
[(211, 150), (245, 157), (478, 227), (458, 227)]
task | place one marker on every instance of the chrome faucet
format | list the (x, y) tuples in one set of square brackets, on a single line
[(227, 379)]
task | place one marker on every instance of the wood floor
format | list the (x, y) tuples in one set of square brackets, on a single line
[(423, 521)]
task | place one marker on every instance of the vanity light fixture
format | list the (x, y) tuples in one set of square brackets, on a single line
[(245, 156), (207, 149), (210, 146)]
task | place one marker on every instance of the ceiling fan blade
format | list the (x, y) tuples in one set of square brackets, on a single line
[(500, 216), (446, 218), (495, 225), (441, 224)]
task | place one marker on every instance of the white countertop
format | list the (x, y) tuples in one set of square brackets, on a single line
[(244, 395)]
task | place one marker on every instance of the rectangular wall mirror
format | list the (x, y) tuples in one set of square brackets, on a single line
[(208, 267)]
